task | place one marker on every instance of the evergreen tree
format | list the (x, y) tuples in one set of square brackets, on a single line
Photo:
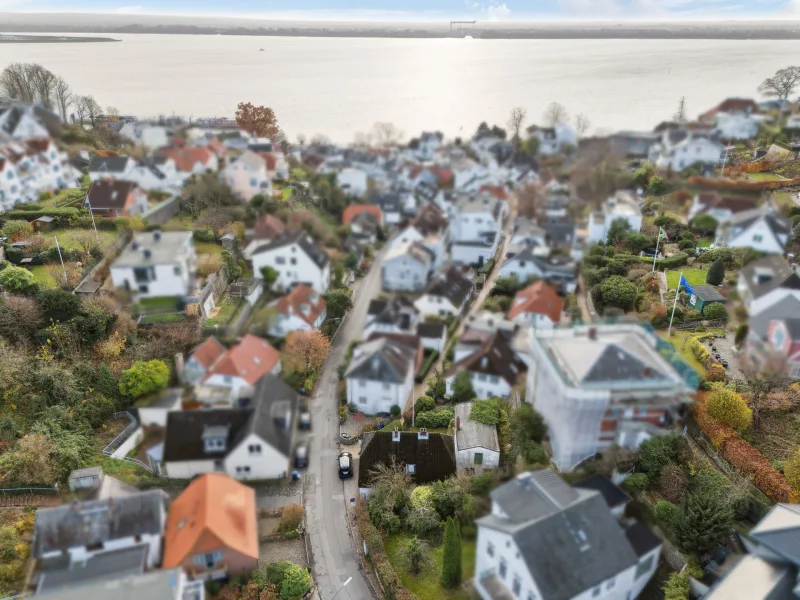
[(716, 272), (462, 388), (451, 559), (704, 521)]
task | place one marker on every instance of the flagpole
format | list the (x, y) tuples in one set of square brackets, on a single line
[(91, 214), (63, 268), (655, 256), (675, 304)]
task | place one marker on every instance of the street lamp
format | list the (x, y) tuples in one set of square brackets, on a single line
[(349, 579)]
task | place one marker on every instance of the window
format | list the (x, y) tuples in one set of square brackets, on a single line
[(143, 289), (10, 175), (144, 274), (362, 400), (503, 568), (412, 469), (243, 470), (481, 377), (254, 448), (758, 238), (280, 260), (479, 458), (387, 386), (177, 270), (293, 261), (494, 379), (214, 444), (490, 549), (516, 585), (596, 592), (362, 383), (227, 379), (643, 567), (253, 182), (610, 584)]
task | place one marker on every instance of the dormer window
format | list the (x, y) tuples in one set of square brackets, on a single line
[(215, 438)]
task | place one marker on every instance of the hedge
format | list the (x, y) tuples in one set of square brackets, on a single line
[(671, 262), (30, 215), (439, 418), (743, 456), (426, 366)]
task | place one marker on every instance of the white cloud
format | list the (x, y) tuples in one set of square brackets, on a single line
[(497, 12), (128, 10)]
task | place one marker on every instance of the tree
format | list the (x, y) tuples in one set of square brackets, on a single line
[(672, 483), (259, 121), (112, 113), (296, 582), (20, 318), (643, 174), (657, 185), (208, 195), (306, 350), (716, 272), (782, 84), (636, 483), (144, 378), (582, 125), (528, 424), (415, 555), (451, 557), (338, 274), (515, 122), (636, 241), (16, 280), (269, 275), (58, 305), (715, 311), (703, 522), (31, 461), (554, 114), (703, 224), (741, 334), (618, 229), (88, 109), (462, 388), (530, 200), (29, 82), (486, 411), (530, 146), (727, 406), (17, 230), (680, 114), (617, 292), (658, 452), (386, 134), (63, 96), (337, 303)]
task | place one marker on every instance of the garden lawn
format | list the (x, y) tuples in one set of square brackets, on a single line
[(67, 241), (679, 337), (764, 177), (209, 248), (426, 584), (693, 276), (228, 309), (42, 276)]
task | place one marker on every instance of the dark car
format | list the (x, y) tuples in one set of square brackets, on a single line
[(345, 464), (301, 457), (304, 421)]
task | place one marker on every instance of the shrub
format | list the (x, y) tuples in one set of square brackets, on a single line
[(702, 523), (144, 378), (291, 517), (791, 469), (699, 350), (687, 245), (636, 483), (486, 411), (17, 230), (276, 572), (58, 305), (296, 582), (424, 404), (451, 558), (715, 373), (672, 483), (716, 272), (395, 411), (728, 407), (204, 235), (676, 587), (657, 453), (18, 281), (741, 334), (618, 292), (665, 512), (536, 454), (439, 418), (715, 311)]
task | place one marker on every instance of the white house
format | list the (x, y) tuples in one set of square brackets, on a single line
[(396, 315), (622, 205), (432, 336), (296, 258), (406, 267), (300, 309), (30, 167), (353, 181), (156, 173), (538, 262), (429, 143), (447, 293), (689, 151), (538, 305), (476, 444), (541, 528), (737, 125), (110, 167), (380, 375), (144, 134), (391, 205), (759, 229), (82, 530), (722, 208), (553, 139), (253, 442), (247, 176), (429, 228), (157, 264), (475, 227), (763, 282), (493, 367), (527, 232), (22, 121), (239, 369)]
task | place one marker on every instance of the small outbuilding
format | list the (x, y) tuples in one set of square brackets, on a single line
[(703, 295)]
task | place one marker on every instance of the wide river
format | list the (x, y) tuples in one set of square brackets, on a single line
[(341, 86)]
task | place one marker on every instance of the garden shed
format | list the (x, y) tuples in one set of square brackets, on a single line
[(703, 295)]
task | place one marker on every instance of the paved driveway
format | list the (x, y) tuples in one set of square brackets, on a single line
[(725, 348)]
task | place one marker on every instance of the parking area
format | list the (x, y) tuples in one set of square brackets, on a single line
[(724, 347)]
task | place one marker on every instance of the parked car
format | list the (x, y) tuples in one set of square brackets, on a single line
[(304, 422), (345, 464), (301, 457)]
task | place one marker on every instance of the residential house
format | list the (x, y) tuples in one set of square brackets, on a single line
[(429, 228), (469, 175), (778, 352), (364, 228), (252, 442), (115, 578), (296, 258), (266, 229), (433, 336), (540, 528), (537, 304), (73, 533), (692, 149), (354, 210), (23, 121), (111, 167), (429, 143), (476, 444), (301, 309), (759, 229), (622, 205), (722, 208), (615, 498), (736, 125), (527, 232), (633, 144), (479, 328), (201, 359), (353, 181), (145, 134), (380, 375), (391, 206), (739, 105), (770, 569), (552, 140), (406, 267), (763, 282), (212, 529), (446, 294), (395, 315), (247, 176), (536, 262), (493, 367), (109, 198), (427, 457), (157, 264), (155, 173), (602, 385), (475, 227), (191, 161), (240, 368)]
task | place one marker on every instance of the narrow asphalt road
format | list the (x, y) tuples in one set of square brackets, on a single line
[(333, 556)]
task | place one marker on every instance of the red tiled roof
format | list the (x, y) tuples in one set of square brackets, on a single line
[(186, 158), (250, 359), (538, 298), (352, 211), (268, 227), (271, 160), (445, 176), (294, 302), (208, 352), (498, 191), (731, 104)]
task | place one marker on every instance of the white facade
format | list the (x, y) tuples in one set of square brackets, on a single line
[(759, 305), (149, 136), (688, 152), (284, 324), (293, 266), (536, 320), (432, 305), (621, 206), (758, 236), (485, 386), (248, 176), (146, 179), (29, 171), (404, 273), (352, 181), (376, 397), (552, 142), (254, 459), (27, 127), (737, 125), (155, 281)]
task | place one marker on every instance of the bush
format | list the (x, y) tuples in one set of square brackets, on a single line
[(687, 245), (439, 418), (728, 407), (676, 587), (58, 305), (204, 235), (617, 292), (716, 272), (671, 262), (395, 411), (144, 378), (672, 483), (291, 517), (296, 582), (17, 230), (536, 454), (424, 404), (636, 483), (741, 334), (665, 512), (426, 366), (703, 522), (656, 453), (715, 311), (276, 572), (791, 469), (486, 411)]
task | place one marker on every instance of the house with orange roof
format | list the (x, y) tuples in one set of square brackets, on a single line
[(201, 359), (352, 211), (299, 310), (266, 229), (191, 161), (539, 305), (212, 529)]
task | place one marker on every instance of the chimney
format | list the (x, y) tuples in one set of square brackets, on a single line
[(423, 434), (592, 333), (458, 423), (179, 363), (147, 253), (157, 236), (396, 435), (135, 245)]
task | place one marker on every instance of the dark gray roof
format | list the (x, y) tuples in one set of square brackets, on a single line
[(433, 459), (389, 202), (97, 521), (108, 164), (777, 223), (612, 494), (270, 414), (431, 330), (616, 363), (396, 311), (793, 327), (779, 531), (302, 239), (533, 495), (642, 540), (559, 231), (493, 357), (154, 585), (785, 308), (708, 293), (382, 359), (450, 284), (110, 194), (106, 565), (766, 274)]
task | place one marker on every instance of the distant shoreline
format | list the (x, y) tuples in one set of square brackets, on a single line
[(50, 39)]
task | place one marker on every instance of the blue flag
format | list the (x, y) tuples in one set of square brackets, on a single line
[(685, 284)]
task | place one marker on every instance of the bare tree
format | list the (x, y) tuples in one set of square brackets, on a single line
[(763, 379), (87, 240), (387, 134), (362, 140), (44, 83), (680, 114), (63, 96), (530, 199), (112, 113), (301, 139), (582, 125), (515, 121), (782, 84), (88, 109), (555, 113), (15, 83)]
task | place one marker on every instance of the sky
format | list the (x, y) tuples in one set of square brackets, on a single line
[(432, 10)]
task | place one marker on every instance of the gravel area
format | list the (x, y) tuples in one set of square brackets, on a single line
[(725, 348), (291, 550)]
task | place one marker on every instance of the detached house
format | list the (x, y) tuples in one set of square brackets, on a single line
[(763, 282), (539, 305), (240, 368), (157, 264), (110, 167), (212, 529), (252, 442), (534, 261), (109, 198), (296, 258), (546, 540), (759, 229), (493, 367), (475, 228), (406, 267), (191, 161), (396, 315), (622, 205), (247, 176), (722, 208), (429, 228), (353, 181), (447, 293), (391, 206), (692, 149), (266, 229), (381, 375), (299, 310), (552, 140)]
